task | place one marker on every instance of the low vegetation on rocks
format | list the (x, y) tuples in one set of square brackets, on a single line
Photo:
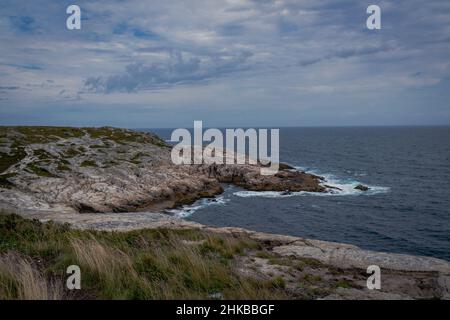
[(181, 263), (72, 174), (81, 170), (142, 264)]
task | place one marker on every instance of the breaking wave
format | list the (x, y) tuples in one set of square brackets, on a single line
[(335, 187), (188, 210)]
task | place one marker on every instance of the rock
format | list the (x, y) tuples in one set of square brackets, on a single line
[(402, 276), (284, 166), (332, 187), (216, 296), (354, 294), (97, 170), (362, 187)]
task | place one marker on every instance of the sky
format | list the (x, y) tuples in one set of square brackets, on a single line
[(229, 63)]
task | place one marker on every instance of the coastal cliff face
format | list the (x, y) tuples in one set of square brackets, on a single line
[(115, 170)]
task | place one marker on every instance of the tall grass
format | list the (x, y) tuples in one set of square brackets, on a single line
[(143, 264), (19, 279)]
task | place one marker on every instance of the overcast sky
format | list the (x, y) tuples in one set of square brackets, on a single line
[(230, 63)]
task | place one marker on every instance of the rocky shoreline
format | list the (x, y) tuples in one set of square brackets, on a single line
[(402, 276), (120, 180), (86, 170)]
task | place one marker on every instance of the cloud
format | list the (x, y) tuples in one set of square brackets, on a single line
[(176, 70), (23, 23), (261, 55), (9, 88), (346, 53)]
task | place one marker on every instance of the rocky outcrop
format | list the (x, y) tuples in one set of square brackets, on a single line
[(85, 170), (249, 177), (50, 173), (362, 187)]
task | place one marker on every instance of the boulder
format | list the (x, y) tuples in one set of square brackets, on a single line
[(362, 187)]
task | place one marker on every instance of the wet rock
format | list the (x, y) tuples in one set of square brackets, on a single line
[(284, 166), (362, 187)]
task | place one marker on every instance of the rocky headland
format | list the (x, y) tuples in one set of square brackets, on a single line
[(120, 180), (82, 170)]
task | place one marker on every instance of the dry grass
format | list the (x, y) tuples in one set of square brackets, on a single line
[(178, 270), (100, 258), (19, 279), (141, 264)]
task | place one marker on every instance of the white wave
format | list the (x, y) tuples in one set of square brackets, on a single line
[(334, 185), (265, 194), (188, 210)]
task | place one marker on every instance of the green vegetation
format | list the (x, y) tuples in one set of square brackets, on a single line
[(343, 283), (152, 264), (14, 141), (142, 264), (136, 159), (98, 146), (4, 182), (109, 164), (88, 163), (39, 171), (7, 160), (44, 134), (72, 152), (122, 136), (42, 154)]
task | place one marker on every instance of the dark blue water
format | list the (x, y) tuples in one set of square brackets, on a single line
[(407, 210)]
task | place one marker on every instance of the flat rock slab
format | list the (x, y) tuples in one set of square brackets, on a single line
[(399, 269), (332, 253)]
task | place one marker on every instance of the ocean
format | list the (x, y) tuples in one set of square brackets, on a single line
[(407, 209)]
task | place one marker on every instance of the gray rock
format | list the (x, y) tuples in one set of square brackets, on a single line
[(362, 187)]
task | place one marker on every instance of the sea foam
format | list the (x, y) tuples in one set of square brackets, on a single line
[(188, 210), (346, 187)]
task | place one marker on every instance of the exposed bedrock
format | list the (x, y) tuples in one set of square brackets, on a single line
[(403, 276), (116, 170)]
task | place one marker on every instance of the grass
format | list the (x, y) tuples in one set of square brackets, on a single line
[(88, 163), (17, 139), (42, 154), (20, 279), (141, 264), (72, 152), (44, 134), (39, 171), (63, 167), (122, 136), (4, 182), (42, 131), (7, 160)]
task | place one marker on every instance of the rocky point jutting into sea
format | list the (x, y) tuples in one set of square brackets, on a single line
[(117, 179)]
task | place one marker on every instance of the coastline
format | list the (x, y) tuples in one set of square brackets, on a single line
[(119, 181), (402, 274)]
